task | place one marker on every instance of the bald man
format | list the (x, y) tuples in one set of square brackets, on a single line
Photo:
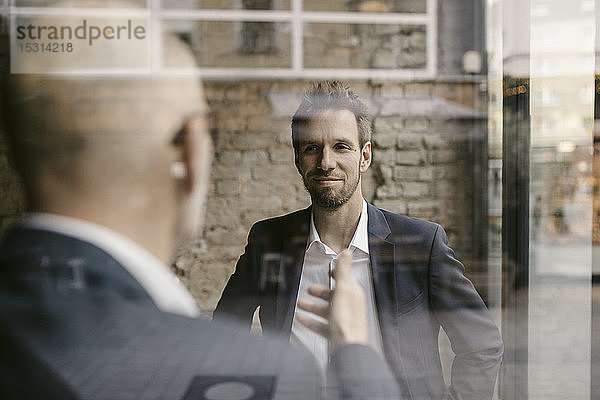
[(115, 169)]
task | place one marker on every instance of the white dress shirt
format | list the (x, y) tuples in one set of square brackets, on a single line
[(319, 259), (165, 289)]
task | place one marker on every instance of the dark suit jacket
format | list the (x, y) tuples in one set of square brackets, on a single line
[(75, 324), (418, 284)]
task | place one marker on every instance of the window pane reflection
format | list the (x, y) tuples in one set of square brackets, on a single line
[(365, 46), (400, 6), (235, 44)]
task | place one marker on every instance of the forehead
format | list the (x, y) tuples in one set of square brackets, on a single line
[(331, 125)]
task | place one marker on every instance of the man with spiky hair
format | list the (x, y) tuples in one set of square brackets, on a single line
[(413, 283)]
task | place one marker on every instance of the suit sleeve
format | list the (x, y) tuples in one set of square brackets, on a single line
[(240, 298), (362, 374), (474, 337)]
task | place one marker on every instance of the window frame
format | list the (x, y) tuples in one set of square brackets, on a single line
[(296, 17)]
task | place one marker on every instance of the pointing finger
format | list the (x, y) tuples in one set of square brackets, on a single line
[(343, 265)]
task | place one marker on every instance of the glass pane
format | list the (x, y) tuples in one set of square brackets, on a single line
[(365, 46), (228, 4), (545, 52), (235, 44), (75, 3), (399, 6), (495, 145), (561, 198)]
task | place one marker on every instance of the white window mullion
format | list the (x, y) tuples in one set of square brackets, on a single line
[(311, 73), (296, 17), (140, 13), (431, 38), (297, 37), (228, 15), (155, 42), (366, 18)]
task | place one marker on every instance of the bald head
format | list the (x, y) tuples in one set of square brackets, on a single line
[(56, 123), (55, 119), (101, 146)]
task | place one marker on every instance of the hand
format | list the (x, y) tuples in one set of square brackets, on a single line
[(346, 310)]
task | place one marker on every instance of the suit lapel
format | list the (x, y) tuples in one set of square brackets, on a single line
[(386, 275), (292, 260), (382, 253)]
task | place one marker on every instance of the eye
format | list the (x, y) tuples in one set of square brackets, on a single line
[(311, 148), (342, 146)]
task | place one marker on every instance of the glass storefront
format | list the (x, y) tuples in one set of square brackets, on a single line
[(484, 121)]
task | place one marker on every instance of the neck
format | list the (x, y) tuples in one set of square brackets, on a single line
[(336, 227), (153, 231)]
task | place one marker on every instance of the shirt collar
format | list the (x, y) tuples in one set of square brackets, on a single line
[(165, 289), (360, 240)]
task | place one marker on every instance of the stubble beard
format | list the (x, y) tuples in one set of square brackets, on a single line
[(327, 198)]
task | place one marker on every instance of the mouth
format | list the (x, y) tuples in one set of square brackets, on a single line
[(326, 181)]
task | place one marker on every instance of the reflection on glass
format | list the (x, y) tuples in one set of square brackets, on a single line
[(235, 44), (561, 198), (399, 6), (365, 46), (228, 4)]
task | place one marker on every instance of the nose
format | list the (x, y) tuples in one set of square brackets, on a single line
[(327, 161)]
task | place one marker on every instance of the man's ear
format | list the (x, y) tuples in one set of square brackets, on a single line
[(366, 156), (195, 139)]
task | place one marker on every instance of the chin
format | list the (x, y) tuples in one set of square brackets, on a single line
[(331, 203)]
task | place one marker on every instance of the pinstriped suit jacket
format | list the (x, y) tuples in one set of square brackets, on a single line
[(95, 333)]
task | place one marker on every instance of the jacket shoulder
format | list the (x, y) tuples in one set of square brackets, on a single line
[(401, 224), (282, 223)]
